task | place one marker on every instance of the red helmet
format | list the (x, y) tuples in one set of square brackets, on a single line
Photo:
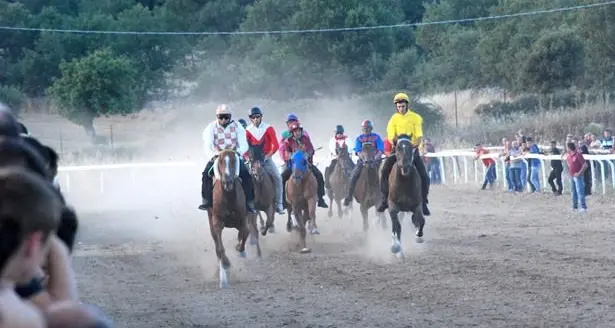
[(295, 126), (367, 124)]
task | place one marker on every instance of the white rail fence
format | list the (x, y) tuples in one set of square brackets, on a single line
[(456, 166)]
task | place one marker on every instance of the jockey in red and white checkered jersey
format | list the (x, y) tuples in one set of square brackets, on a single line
[(225, 134)]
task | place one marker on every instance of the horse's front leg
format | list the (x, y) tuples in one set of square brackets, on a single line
[(396, 227), (289, 222), (269, 226), (340, 211), (363, 207), (310, 215), (331, 197), (418, 219), (215, 227), (242, 237)]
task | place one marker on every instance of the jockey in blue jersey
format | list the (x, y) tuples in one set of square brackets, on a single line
[(366, 137)]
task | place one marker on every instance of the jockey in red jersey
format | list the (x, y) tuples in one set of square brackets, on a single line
[(339, 140), (263, 134), (388, 147), (299, 141), (290, 119)]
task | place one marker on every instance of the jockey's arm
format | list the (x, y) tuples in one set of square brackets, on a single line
[(309, 147), (242, 141), (285, 153), (208, 142), (333, 147), (392, 128), (271, 135), (417, 134), (358, 145), (379, 144)]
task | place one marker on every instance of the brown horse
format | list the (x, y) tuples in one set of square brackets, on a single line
[(367, 192), (228, 209), (302, 196), (264, 192), (339, 180), (405, 192)]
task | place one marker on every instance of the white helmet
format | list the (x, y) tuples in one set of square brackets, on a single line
[(223, 109)]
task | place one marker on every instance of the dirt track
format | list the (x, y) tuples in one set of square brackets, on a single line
[(489, 259)]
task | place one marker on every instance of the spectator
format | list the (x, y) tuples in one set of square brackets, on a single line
[(516, 162), (521, 136), (587, 173), (524, 164), (576, 166), (432, 163), (608, 140), (534, 165), (506, 158), (594, 143), (489, 163), (556, 170)]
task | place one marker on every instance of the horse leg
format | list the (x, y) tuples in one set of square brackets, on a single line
[(242, 237), (365, 216), (418, 219), (253, 225), (338, 203), (396, 225), (268, 226), (215, 227), (301, 215), (310, 215), (330, 195), (289, 222), (260, 217)]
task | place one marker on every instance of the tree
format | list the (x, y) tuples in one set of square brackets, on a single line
[(98, 84)]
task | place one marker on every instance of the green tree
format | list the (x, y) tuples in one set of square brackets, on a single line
[(98, 84)]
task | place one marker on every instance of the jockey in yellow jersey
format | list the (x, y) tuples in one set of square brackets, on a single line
[(404, 121)]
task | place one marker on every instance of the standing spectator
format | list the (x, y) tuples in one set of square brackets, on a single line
[(521, 136), (525, 174), (576, 166), (608, 140), (489, 163), (516, 162), (506, 157), (533, 165), (556, 170), (594, 143), (432, 163), (587, 173)]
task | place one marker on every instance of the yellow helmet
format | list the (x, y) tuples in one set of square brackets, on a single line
[(401, 97)]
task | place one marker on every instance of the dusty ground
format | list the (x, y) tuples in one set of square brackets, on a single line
[(489, 259)]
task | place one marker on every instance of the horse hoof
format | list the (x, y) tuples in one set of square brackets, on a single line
[(315, 231), (395, 249), (243, 254), (305, 250), (419, 233), (223, 276), (272, 229)]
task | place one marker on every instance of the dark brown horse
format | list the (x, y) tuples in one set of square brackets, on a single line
[(405, 192), (367, 192), (302, 196), (339, 180), (228, 209), (264, 191)]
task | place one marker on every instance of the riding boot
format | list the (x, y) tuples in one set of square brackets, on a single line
[(285, 176), (385, 171), (353, 183), (420, 167), (248, 187), (321, 187), (206, 188)]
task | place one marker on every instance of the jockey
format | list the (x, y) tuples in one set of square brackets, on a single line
[(404, 121), (367, 136), (223, 134), (261, 133), (339, 140), (290, 119), (297, 142)]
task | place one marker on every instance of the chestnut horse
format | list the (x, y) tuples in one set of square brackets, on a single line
[(264, 191), (405, 192), (367, 191), (339, 180), (228, 209), (301, 196)]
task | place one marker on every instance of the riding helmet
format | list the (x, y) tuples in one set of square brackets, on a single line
[(255, 111)]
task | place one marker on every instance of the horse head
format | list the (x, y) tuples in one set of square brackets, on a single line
[(368, 155), (257, 161), (404, 151), (343, 156), (299, 164), (227, 169)]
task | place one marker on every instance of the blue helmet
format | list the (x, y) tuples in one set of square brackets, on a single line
[(255, 111), (339, 129), (243, 122), (291, 118)]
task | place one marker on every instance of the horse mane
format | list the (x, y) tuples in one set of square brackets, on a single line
[(256, 152)]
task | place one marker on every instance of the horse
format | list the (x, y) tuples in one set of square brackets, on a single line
[(405, 192), (367, 191), (228, 209), (264, 193), (339, 180), (301, 196)]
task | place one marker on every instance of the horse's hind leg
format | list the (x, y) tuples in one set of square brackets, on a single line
[(253, 226), (340, 211), (396, 227), (289, 222), (310, 216), (242, 237)]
